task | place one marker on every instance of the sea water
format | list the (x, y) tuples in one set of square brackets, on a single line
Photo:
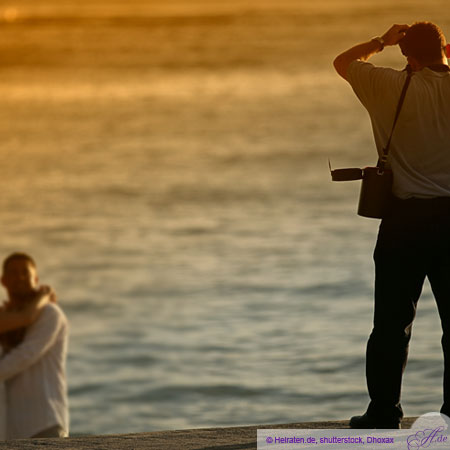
[(166, 163)]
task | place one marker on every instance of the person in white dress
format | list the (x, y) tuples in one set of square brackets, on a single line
[(15, 320), (33, 336)]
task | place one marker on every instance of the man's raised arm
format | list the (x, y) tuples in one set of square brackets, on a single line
[(367, 49)]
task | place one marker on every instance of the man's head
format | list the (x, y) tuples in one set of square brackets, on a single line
[(19, 276), (424, 43)]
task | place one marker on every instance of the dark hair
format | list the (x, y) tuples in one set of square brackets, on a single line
[(423, 41), (18, 256)]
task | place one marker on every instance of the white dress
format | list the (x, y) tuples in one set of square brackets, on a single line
[(2, 411)]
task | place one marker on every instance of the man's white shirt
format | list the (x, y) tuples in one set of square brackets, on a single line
[(35, 378), (419, 154)]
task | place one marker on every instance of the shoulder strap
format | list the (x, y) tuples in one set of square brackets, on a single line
[(382, 161)]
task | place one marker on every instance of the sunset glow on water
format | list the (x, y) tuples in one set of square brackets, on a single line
[(166, 164)]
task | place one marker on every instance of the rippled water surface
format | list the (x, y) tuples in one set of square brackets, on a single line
[(166, 164)]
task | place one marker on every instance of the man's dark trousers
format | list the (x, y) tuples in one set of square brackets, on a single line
[(413, 243)]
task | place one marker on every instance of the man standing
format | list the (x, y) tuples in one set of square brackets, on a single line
[(414, 239), (34, 367)]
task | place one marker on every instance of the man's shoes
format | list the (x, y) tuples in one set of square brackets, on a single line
[(368, 422)]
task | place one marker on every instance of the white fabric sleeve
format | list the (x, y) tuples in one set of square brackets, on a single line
[(2, 411), (38, 339)]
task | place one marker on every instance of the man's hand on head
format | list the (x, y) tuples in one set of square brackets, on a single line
[(395, 34), (366, 50)]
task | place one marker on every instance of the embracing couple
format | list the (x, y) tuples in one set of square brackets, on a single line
[(33, 339)]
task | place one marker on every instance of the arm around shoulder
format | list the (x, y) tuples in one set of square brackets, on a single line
[(38, 340), (12, 320)]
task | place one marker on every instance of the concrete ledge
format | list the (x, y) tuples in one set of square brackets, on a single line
[(233, 438)]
